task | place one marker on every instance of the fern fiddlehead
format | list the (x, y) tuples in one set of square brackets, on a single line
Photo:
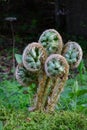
[(24, 77), (73, 54), (57, 68), (51, 41), (34, 56)]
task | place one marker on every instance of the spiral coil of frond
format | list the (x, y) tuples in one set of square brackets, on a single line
[(51, 41), (55, 65), (73, 54), (24, 77), (34, 57)]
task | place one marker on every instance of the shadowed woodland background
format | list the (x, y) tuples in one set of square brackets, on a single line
[(68, 17), (33, 17)]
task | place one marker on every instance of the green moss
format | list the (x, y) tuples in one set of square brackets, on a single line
[(19, 120)]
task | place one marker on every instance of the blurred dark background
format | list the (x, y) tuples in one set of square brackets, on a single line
[(69, 17)]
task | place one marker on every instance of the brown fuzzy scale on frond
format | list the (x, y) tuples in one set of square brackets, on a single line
[(52, 41), (73, 54), (24, 77), (34, 56), (56, 66)]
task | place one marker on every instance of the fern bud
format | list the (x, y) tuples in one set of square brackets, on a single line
[(51, 41), (34, 56), (55, 65), (24, 77), (73, 54)]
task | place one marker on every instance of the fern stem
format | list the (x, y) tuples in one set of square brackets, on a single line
[(52, 100), (40, 90), (47, 91)]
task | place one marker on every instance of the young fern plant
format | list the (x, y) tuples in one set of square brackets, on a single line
[(52, 41), (57, 68), (34, 57), (31, 70), (43, 64)]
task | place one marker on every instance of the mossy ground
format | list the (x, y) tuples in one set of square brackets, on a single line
[(23, 120)]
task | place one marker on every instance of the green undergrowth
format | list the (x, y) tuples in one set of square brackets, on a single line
[(70, 113), (23, 120), (13, 95), (74, 95), (73, 98)]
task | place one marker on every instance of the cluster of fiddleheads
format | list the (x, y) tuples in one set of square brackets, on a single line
[(47, 62)]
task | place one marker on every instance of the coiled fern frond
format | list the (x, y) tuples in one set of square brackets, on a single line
[(55, 65), (24, 77), (34, 56), (73, 54), (51, 41)]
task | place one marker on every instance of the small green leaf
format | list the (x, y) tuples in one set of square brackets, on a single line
[(18, 58), (1, 125), (75, 87), (84, 105), (81, 92)]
